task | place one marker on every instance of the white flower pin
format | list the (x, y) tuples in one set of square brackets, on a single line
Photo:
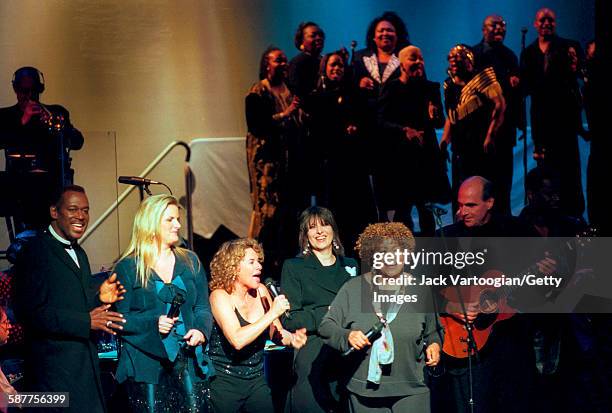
[(351, 270)]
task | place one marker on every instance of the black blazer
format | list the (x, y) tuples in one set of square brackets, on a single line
[(310, 288), (53, 300)]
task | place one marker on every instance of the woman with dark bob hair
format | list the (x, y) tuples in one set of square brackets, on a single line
[(303, 69), (388, 369), (273, 122), (310, 281), (245, 317)]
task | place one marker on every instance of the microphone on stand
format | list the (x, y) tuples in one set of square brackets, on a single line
[(137, 180), (269, 283), (353, 46), (376, 329)]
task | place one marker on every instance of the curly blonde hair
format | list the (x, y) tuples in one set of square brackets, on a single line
[(225, 264), (373, 236)]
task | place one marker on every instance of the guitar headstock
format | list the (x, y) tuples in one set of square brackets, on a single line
[(583, 239)]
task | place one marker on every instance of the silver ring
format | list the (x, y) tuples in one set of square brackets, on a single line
[(108, 323)]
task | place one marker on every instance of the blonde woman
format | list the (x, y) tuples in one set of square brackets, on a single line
[(162, 358), (245, 317)]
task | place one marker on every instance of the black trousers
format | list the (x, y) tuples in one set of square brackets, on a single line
[(233, 394)]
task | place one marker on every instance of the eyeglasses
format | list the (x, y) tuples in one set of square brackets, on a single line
[(496, 23)]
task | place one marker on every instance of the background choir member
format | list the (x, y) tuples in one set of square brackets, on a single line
[(475, 108), (491, 52), (372, 68), (414, 171), (310, 282), (245, 317), (336, 146), (273, 158), (378, 62), (304, 68), (162, 358), (550, 80), (387, 372)]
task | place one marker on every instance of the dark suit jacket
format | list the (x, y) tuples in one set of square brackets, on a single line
[(310, 288), (53, 300), (142, 349), (34, 137)]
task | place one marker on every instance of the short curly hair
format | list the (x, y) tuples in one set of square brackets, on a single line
[(373, 236), (298, 38), (403, 39), (224, 265)]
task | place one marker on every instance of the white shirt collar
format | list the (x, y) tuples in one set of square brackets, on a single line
[(58, 237)]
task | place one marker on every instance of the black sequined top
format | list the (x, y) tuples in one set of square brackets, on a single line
[(246, 363)]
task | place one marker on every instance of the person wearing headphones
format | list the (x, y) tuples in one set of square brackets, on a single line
[(37, 139)]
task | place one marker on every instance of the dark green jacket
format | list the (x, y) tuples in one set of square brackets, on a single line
[(142, 349)]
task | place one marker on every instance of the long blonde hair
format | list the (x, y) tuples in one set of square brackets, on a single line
[(145, 245)]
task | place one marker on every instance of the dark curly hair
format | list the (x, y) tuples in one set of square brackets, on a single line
[(371, 239), (299, 33), (403, 39), (263, 62)]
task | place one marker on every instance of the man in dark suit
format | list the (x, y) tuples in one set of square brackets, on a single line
[(491, 52), (549, 69), (61, 307), (37, 139)]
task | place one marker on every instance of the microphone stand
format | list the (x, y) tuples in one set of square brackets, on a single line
[(523, 115), (472, 349)]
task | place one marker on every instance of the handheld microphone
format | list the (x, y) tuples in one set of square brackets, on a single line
[(175, 306), (376, 329), (136, 180), (269, 283), (435, 208)]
